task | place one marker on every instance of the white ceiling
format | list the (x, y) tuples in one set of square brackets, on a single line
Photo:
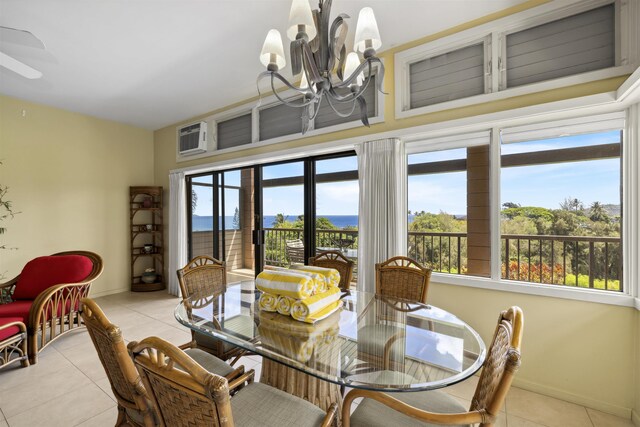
[(152, 63)]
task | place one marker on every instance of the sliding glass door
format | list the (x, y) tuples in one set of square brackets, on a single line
[(221, 219), (275, 214)]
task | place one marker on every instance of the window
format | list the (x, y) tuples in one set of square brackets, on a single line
[(568, 46), (561, 212), (327, 117), (551, 46), (280, 120), (448, 198), (452, 75), (234, 132)]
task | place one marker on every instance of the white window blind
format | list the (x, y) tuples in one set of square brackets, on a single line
[(572, 45), (453, 75), (327, 117), (280, 120), (234, 132)]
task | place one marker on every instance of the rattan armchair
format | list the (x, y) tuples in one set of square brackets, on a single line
[(404, 278), (438, 408), (53, 311), (131, 396), (192, 396), (203, 278), (336, 260), (134, 407)]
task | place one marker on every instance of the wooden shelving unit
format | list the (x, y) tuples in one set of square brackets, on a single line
[(147, 239)]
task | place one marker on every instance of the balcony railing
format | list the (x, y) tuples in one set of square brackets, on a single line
[(582, 261)]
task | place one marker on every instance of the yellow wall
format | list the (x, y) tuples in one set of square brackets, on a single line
[(69, 176), (578, 351)]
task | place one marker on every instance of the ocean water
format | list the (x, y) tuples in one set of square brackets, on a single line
[(205, 223)]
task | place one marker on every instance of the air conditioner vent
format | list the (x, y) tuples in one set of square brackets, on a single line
[(192, 139)]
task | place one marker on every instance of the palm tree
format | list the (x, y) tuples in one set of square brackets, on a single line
[(597, 212)]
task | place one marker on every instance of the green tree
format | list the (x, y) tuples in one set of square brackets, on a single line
[(598, 213), (194, 200), (572, 204)]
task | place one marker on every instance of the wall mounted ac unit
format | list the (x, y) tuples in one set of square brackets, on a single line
[(192, 139)]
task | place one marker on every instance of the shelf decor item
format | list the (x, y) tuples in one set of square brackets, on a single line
[(147, 241)]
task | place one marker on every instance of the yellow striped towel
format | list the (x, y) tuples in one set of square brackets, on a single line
[(288, 283), (307, 310), (284, 305), (324, 313), (330, 275), (268, 302)]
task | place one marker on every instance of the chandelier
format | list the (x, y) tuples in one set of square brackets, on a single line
[(318, 53)]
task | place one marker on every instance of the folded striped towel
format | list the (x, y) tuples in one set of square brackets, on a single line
[(331, 276), (284, 305), (268, 302), (324, 313), (287, 283), (295, 339), (307, 310)]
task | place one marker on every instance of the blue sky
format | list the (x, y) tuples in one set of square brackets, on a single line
[(544, 185)]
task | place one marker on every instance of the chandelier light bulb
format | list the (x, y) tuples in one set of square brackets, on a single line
[(301, 20), (367, 39), (350, 65), (272, 55), (304, 83)]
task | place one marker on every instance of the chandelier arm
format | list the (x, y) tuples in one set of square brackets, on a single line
[(353, 108), (364, 118), (352, 78), (313, 74), (336, 43), (323, 33), (296, 56), (284, 101), (353, 95)]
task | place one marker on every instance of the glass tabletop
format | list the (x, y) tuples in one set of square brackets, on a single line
[(372, 342)]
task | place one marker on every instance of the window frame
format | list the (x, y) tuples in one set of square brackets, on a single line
[(629, 200), (254, 108), (626, 14)]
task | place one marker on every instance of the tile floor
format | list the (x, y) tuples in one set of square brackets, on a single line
[(68, 386)]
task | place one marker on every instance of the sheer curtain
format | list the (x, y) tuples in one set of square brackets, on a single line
[(382, 221), (177, 229)]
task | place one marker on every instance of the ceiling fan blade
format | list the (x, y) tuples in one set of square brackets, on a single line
[(18, 67), (21, 37)]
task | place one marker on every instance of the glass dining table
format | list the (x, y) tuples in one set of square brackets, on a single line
[(372, 342)]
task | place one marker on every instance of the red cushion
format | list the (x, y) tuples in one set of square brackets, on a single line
[(43, 272), (19, 309), (11, 330)]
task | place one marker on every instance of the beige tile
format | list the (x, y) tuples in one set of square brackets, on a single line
[(514, 421), (602, 419), (29, 394), (105, 386), (106, 419), (69, 409), (464, 389), (49, 362), (546, 410), (3, 423), (86, 359), (72, 339)]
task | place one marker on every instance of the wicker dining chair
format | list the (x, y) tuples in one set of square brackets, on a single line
[(193, 397), (402, 277), (336, 260), (203, 278), (294, 249), (133, 403), (432, 408)]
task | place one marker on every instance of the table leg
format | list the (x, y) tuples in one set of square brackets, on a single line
[(320, 393)]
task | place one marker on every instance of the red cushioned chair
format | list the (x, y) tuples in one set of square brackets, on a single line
[(46, 295), (13, 341)]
